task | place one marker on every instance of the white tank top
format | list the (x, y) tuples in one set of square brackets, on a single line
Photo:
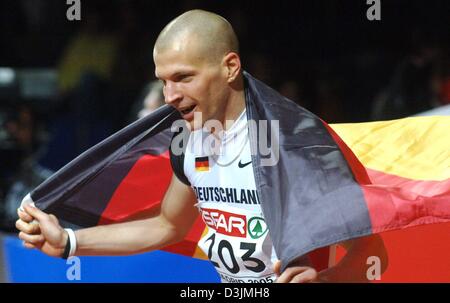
[(237, 241)]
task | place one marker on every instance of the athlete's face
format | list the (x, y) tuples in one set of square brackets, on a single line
[(192, 83)]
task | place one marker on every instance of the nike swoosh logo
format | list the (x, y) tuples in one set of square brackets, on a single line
[(242, 165)]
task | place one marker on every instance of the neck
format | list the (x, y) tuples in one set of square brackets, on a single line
[(236, 103)]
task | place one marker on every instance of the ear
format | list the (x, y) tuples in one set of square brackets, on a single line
[(232, 64)]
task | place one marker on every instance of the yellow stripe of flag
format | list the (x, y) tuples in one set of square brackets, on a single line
[(415, 148)]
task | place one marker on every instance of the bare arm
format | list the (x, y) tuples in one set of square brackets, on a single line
[(169, 226), (352, 267)]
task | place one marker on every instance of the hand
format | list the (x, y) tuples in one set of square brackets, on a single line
[(42, 231), (295, 274)]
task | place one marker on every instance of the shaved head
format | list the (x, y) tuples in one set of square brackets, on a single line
[(208, 34), (196, 57)]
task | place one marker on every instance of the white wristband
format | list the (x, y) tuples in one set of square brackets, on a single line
[(73, 242)]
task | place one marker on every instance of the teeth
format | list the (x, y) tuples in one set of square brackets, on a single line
[(188, 110)]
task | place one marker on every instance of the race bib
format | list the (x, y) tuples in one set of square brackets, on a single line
[(237, 243)]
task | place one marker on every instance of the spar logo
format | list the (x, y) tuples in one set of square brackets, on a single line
[(257, 227), (226, 223)]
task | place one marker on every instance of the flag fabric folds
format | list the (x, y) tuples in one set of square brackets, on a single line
[(331, 182)]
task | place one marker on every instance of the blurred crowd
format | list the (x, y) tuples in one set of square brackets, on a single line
[(331, 62)]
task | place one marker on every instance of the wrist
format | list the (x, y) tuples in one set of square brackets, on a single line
[(63, 242), (65, 246), (70, 244)]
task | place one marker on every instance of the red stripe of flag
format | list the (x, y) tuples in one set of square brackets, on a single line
[(141, 190)]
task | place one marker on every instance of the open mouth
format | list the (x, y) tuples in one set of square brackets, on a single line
[(187, 110)]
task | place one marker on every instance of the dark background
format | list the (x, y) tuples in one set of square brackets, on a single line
[(324, 55)]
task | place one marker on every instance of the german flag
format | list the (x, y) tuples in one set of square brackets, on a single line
[(331, 183), (202, 164), (410, 156)]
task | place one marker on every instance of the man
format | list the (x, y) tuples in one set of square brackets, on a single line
[(196, 57)]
